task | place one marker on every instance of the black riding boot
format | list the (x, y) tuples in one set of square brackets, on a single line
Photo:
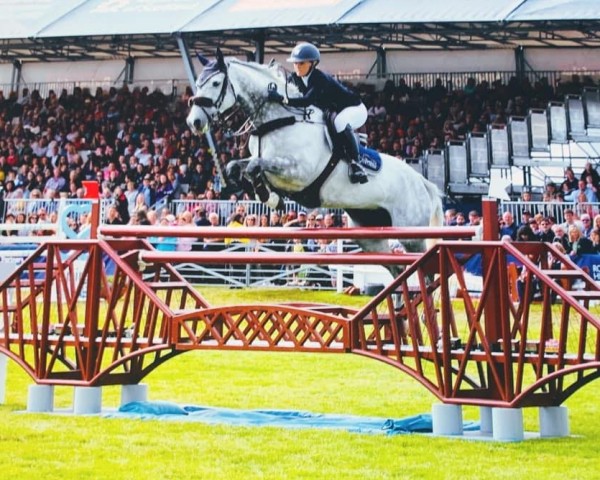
[(355, 171)]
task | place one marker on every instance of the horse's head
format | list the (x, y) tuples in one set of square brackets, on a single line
[(214, 93), (223, 84)]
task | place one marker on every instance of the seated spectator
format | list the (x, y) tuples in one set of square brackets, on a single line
[(584, 193), (200, 218), (113, 217), (450, 217), (545, 233), (526, 216), (560, 236), (586, 225), (535, 228), (212, 244), (184, 244), (166, 244), (525, 234), (578, 244), (570, 219), (570, 182), (595, 239), (237, 221), (139, 218), (590, 170), (474, 218), (275, 219), (508, 226)]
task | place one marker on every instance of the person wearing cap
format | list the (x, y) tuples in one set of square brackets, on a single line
[(147, 190), (302, 218), (325, 92), (525, 217), (545, 233), (293, 220)]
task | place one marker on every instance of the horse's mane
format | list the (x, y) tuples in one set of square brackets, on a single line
[(274, 71)]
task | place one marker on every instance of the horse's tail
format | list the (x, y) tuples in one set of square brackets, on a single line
[(436, 217)]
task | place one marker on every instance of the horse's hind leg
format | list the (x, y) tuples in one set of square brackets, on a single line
[(235, 170)]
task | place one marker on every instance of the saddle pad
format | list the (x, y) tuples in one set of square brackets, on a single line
[(370, 159)]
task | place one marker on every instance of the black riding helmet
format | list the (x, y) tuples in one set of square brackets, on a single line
[(305, 52)]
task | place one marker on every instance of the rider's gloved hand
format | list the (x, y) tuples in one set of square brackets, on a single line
[(274, 96)]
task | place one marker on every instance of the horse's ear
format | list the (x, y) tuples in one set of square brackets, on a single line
[(220, 60), (203, 60)]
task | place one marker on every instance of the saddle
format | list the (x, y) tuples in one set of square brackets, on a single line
[(368, 158)]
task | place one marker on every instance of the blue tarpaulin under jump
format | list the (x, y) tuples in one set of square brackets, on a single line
[(277, 418)]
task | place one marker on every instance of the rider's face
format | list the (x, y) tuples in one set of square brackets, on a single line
[(302, 69)]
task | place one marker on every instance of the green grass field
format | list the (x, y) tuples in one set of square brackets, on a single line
[(67, 447)]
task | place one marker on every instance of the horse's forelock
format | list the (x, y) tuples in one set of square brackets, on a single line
[(210, 69)]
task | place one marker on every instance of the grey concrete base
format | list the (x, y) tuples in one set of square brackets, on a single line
[(3, 378), (134, 393), (485, 420), (554, 422), (447, 419), (87, 400), (507, 424), (40, 398)]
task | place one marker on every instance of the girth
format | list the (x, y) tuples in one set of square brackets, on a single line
[(310, 196)]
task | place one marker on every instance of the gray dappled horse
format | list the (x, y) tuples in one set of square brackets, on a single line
[(292, 154)]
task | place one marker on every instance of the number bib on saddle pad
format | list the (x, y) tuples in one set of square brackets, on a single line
[(369, 159)]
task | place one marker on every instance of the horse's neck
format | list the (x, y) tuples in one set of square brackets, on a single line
[(251, 86)]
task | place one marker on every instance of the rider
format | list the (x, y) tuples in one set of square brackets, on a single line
[(326, 93)]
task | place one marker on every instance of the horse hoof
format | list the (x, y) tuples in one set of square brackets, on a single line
[(273, 201)]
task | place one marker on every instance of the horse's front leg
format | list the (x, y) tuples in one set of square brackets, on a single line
[(255, 173), (235, 170)]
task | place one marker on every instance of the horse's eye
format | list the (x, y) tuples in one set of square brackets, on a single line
[(216, 83)]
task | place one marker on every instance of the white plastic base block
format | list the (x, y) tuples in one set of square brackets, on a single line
[(485, 421), (40, 398), (87, 400), (134, 393), (554, 422), (3, 378), (447, 419), (507, 424)]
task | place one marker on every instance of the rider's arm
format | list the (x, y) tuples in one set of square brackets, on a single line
[(304, 101)]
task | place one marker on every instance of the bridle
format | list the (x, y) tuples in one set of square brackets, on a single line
[(218, 117), (204, 102)]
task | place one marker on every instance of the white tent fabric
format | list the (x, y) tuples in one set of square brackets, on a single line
[(537, 10), (25, 19), (126, 17), (68, 18), (240, 14), (410, 11)]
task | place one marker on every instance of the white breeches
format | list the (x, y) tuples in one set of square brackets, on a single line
[(355, 116)]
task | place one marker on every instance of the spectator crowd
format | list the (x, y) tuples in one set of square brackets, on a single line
[(136, 145)]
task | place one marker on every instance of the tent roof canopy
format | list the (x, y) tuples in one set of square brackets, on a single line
[(104, 29)]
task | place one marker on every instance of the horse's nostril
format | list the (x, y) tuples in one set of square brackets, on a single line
[(197, 123)]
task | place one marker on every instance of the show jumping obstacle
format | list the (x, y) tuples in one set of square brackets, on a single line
[(93, 329)]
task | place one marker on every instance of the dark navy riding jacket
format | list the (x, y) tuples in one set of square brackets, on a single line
[(324, 92)]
